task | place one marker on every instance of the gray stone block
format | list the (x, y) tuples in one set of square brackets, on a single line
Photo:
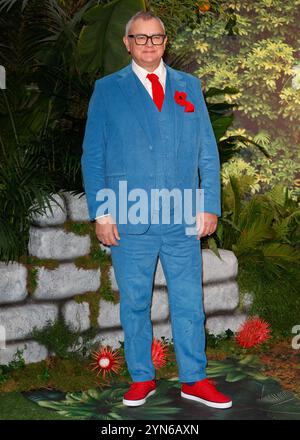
[(109, 314), (220, 297), (76, 207), (109, 338), (77, 315), (162, 329), (112, 337), (19, 321), (65, 281), (159, 276), (160, 304), (58, 216), (216, 270), (33, 352), (219, 324), (13, 279), (57, 244)]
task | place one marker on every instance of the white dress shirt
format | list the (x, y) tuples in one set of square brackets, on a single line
[(142, 73)]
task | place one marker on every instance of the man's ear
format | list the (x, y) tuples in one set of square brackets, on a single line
[(125, 41)]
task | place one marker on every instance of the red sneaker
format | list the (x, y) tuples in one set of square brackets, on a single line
[(138, 392), (204, 391)]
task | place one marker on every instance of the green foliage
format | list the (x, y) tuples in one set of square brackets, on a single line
[(175, 14), (254, 47), (32, 279), (100, 47), (264, 233), (236, 370), (215, 341), (107, 404), (16, 363), (221, 117), (25, 190), (64, 340)]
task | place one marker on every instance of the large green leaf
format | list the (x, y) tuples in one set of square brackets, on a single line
[(100, 47), (106, 404)]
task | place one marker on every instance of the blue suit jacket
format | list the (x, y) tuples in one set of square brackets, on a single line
[(118, 134)]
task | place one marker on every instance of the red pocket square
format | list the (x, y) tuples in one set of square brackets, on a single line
[(189, 107)]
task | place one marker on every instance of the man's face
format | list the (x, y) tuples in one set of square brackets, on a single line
[(148, 55)]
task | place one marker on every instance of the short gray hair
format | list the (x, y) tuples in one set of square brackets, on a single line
[(144, 15)]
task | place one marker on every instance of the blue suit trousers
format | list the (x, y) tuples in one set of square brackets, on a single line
[(134, 262)]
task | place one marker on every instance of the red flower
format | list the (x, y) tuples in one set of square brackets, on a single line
[(106, 361), (158, 353), (180, 99), (253, 332)]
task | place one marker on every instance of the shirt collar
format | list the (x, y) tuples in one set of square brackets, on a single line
[(142, 73)]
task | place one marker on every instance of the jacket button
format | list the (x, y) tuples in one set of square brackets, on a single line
[(150, 147)]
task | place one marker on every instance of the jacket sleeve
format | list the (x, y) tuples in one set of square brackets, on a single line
[(209, 161), (93, 155)]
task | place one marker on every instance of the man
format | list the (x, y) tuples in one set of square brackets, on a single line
[(148, 126)]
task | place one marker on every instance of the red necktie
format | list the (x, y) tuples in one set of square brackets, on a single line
[(157, 90)]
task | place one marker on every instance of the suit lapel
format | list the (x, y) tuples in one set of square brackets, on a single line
[(176, 82), (129, 87)]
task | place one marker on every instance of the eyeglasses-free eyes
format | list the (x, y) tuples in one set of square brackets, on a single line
[(142, 39)]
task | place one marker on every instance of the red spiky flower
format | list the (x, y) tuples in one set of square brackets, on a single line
[(159, 354), (106, 361), (253, 332)]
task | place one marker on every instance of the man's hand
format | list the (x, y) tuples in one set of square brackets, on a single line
[(107, 231), (206, 224)]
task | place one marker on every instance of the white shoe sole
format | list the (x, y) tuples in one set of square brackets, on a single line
[(207, 402), (138, 402)]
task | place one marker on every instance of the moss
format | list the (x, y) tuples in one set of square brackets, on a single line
[(85, 262), (78, 228), (97, 258), (32, 264), (31, 279), (61, 374), (93, 299), (14, 406), (30, 261), (106, 291)]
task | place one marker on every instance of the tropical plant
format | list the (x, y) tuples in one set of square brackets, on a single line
[(221, 116), (280, 406), (107, 404), (25, 190), (254, 47), (255, 397), (16, 363), (235, 370), (263, 231), (43, 109), (63, 340)]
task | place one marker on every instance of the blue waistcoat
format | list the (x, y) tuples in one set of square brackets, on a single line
[(163, 148)]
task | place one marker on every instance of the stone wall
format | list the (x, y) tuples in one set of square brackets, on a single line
[(61, 277)]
